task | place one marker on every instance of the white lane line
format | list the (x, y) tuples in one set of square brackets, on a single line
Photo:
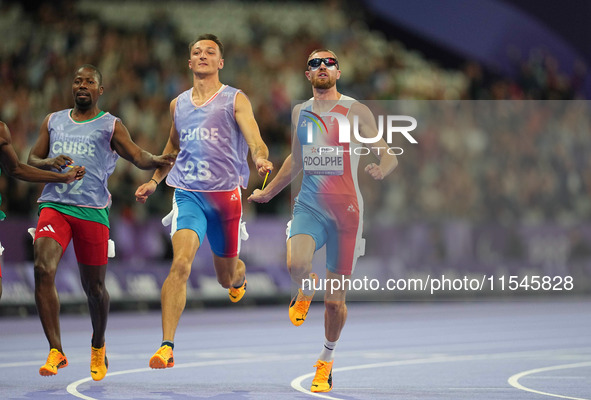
[(72, 388), (296, 383), (514, 380)]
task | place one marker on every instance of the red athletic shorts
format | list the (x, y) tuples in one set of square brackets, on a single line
[(90, 238)]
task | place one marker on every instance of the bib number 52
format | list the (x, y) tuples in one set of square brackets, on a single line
[(72, 188)]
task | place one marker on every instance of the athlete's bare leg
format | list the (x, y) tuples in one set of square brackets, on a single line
[(185, 243), (300, 251), (93, 283), (48, 253), (230, 271), (335, 313)]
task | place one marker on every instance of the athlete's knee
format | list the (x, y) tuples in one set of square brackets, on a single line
[(297, 265), (335, 307), (181, 268), (95, 290), (44, 270)]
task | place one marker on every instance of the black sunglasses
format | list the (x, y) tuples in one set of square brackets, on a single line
[(328, 61)]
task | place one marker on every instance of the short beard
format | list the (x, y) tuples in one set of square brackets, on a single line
[(317, 84), (83, 105)]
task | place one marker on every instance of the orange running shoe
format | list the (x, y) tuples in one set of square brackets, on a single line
[(236, 294), (162, 358), (300, 304), (98, 362), (322, 381), (55, 361)]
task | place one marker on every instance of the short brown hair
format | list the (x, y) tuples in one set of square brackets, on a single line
[(209, 36)]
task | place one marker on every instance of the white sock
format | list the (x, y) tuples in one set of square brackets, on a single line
[(328, 350)]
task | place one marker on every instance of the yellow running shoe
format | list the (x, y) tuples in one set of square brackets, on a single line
[(322, 381), (55, 361), (162, 358), (98, 362), (237, 293), (300, 305)]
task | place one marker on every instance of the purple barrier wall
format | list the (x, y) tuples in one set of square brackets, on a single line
[(453, 248)]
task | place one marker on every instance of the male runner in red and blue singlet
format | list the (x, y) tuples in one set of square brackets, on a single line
[(328, 209)]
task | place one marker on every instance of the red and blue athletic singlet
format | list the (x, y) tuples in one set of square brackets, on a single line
[(329, 206)]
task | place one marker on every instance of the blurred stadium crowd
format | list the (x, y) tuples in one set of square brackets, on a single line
[(507, 173)]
